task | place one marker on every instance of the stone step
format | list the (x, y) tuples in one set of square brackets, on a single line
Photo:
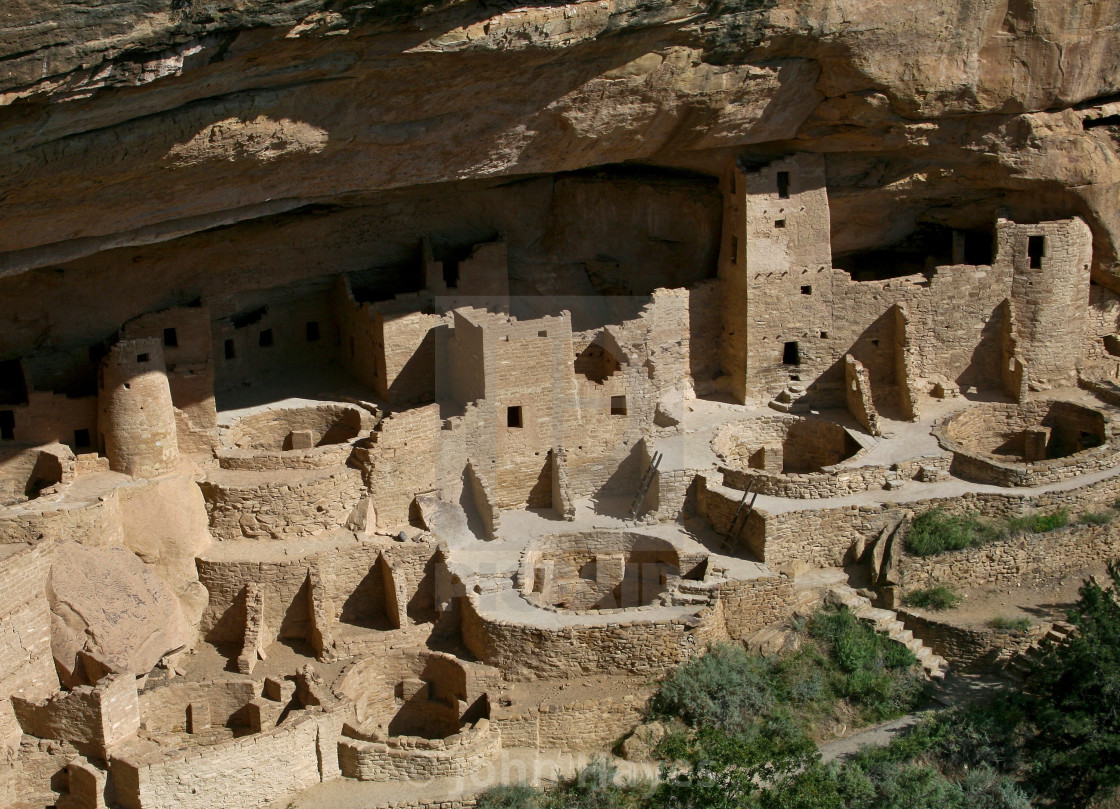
[(781, 407)]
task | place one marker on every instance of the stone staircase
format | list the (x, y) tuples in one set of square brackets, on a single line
[(887, 621), (786, 401), (691, 593), (1017, 667)]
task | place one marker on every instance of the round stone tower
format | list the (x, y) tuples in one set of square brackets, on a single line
[(135, 416)]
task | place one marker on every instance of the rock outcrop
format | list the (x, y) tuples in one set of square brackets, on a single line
[(110, 604)]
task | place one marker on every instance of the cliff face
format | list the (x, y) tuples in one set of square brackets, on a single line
[(131, 122)]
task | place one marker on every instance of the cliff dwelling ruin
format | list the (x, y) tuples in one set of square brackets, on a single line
[(310, 480)]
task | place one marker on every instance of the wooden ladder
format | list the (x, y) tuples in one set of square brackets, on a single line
[(739, 520), (643, 487)]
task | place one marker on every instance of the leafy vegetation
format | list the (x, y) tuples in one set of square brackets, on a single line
[(935, 531), (1038, 523), (1055, 743), (1002, 622), (938, 597), (1097, 517)]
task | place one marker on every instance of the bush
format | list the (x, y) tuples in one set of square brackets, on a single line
[(934, 598), (510, 796), (1010, 624), (1038, 523), (935, 531), (1096, 518), (727, 687)]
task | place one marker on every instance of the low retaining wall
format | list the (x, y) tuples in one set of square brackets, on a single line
[(575, 727), (413, 758), (636, 646), (966, 648)]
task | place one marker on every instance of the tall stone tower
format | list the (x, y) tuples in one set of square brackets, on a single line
[(1049, 267), (775, 271), (136, 419)]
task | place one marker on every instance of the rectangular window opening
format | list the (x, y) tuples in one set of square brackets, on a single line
[(142, 357), (81, 439), (265, 340), (312, 331), (779, 223), (7, 425), (791, 353), (807, 289), (542, 334), (513, 416), (451, 273), (618, 405), (1036, 249), (231, 352), (171, 338), (783, 185)]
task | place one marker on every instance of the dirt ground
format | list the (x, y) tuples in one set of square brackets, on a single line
[(1042, 602)]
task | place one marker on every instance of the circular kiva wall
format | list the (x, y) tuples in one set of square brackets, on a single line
[(293, 437), (791, 456), (602, 570), (416, 717), (1028, 444)]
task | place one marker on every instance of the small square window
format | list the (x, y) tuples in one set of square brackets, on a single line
[(513, 416), (618, 405), (312, 331), (265, 340), (779, 223), (170, 338), (542, 334), (807, 289), (142, 357), (231, 352), (81, 438)]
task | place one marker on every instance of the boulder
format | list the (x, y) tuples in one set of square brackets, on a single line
[(109, 603)]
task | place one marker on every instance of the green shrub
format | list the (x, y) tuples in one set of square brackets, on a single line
[(510, 796), (1012, 624), (727, 687), (1096, 517), (1038, 523), (933, 598), (935, 531)]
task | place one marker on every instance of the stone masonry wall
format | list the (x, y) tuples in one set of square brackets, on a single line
[(26, 663), (1020, 559), (571, 726), (634, 646), (242, 773), (280, 504)]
